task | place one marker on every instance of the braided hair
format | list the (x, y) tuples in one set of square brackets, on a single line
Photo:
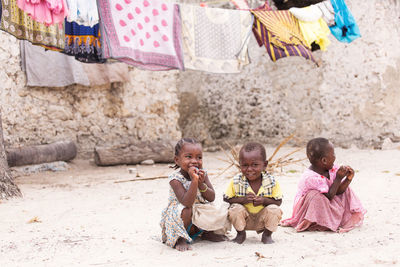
[(179, 146)]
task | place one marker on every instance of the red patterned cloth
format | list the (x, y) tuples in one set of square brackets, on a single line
[(144, 34)]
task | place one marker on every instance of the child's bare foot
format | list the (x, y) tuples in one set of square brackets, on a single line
[(240, 237), (213, 237), (266, 237), (182, 245)]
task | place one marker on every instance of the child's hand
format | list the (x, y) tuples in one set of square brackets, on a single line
[(194, 173), (202, 176), (258, 201), (350, 173), (249, 198), (341, 173)]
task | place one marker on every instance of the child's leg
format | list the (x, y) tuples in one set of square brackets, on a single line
[(237, 215), (270, 217), (186, 216)]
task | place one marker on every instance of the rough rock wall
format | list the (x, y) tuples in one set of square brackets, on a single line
[(146, 108), (353, 98)]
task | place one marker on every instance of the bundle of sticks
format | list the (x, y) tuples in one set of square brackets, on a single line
[(274, 164)]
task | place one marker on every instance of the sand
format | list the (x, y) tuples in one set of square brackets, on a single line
[(82, 217)]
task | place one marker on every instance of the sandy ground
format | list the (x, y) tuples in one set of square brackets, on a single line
[(84, 218)]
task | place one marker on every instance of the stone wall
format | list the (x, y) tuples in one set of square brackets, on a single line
[(352, 98), (146, 108)]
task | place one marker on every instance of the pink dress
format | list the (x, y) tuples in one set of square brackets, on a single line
[(45, 11), (314, 211)]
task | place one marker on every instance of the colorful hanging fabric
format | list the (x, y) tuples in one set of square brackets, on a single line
[(315, 32), (214, 39), (83, 12), (145, 34), (48, 12), (83, 42), (279, 31), (264, 37), (346, 29), (313, 28), (19, 24)]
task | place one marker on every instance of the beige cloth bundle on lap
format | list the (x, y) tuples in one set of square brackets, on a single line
[(211, 217)]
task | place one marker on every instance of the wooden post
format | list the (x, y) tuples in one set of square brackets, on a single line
[(58, 151), (161, 152)]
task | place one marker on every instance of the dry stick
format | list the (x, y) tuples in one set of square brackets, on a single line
[(280, 145), (141, 179), (291, 153), (227, 168)]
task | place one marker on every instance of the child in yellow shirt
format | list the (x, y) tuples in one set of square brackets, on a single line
[(254, 195)]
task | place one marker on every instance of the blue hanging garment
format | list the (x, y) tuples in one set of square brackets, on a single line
[(346, 29)]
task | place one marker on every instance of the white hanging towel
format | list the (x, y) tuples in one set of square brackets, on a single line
[(214, 39), (83, 12)]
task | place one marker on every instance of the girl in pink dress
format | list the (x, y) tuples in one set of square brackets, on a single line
[(324, 200)]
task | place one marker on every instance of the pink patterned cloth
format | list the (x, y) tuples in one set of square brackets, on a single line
[(142, 33), (48, 12), (314, 211)]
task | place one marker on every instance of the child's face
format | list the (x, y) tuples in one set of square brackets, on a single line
[(329, 159), (252, 164), (191, 155)]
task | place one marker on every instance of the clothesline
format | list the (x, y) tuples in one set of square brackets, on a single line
[(159, 35)]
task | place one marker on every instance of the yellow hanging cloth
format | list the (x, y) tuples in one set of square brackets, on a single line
[(315, 31)]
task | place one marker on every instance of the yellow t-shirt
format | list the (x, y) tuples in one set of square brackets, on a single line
[(276, 194)]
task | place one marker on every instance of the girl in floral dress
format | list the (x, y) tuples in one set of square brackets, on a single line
[(189, 184)]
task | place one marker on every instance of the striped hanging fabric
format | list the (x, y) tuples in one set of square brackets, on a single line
[(265, 37), (279, 32)]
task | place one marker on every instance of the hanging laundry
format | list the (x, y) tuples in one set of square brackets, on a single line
[(17, 23), (286, 4), (53, 69), (279, 31), (214, 39), (145, 34), (328, 13), (48, 12), (50, 68), (83, 12), (241, 4), (306, 14), (315, 32), (1, 10), (83, 42), (313, 28), (264, 37), (346, 29)]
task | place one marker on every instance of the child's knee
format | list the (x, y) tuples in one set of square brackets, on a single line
[(186, 214), (274, 210), (237, 210)]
